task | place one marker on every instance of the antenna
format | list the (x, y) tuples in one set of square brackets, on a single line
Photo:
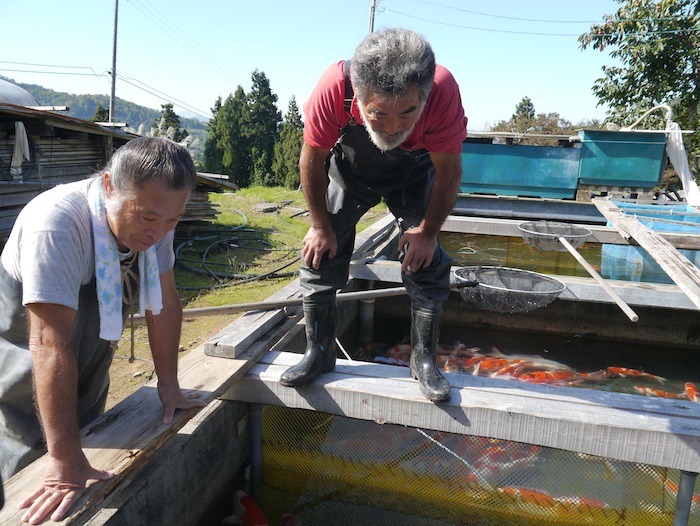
[(372, 9)]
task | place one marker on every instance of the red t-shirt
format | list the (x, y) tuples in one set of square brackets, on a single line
[(441, 127)]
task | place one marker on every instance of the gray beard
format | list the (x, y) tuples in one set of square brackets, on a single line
[(384, 143)]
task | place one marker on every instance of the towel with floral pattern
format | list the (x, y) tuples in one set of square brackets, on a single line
[(108, 271)]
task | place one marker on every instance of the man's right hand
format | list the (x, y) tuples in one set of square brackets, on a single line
[(63, 485), (316, 243)]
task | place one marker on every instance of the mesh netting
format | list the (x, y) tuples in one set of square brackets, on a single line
[(509, 290), (545, 235), (329, 470)]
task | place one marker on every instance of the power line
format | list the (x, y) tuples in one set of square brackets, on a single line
[(535, 33), (184, 40), (163, 96)]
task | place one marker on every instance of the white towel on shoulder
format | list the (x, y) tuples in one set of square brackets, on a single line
[(108, 271)]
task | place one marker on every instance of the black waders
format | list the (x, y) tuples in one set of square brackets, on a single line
[(320, 321), (425, 328)]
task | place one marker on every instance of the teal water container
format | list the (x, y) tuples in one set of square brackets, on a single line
[(519, 170), (622, 158)]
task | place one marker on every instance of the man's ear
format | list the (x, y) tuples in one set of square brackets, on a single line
[(107, 183)]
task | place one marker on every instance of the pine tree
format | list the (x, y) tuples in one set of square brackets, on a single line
[(262, 127), (168, 124), (285, 164), (101, 114)]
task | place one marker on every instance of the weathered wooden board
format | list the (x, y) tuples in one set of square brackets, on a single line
[(676, 265), (613, 425), (599, 234), (126, 438)]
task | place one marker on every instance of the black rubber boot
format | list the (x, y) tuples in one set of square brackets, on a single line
[(425, 327), (320, 346)]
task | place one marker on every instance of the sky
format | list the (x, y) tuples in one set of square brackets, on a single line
[(189, 53)]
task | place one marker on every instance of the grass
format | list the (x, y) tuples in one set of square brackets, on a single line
[(245, 255)]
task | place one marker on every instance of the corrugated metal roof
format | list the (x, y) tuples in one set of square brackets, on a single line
[(61, 121)]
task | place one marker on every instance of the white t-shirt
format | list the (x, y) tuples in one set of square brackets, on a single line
[(50, 249)]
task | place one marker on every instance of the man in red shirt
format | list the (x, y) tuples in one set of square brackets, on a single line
[(390, 126)]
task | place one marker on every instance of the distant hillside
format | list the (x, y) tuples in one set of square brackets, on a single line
[(83, 107), (138, 118)]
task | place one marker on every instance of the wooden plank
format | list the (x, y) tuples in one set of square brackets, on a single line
[(599, 234), (127, 437), (676, 265), (625, 427), (238, 336)]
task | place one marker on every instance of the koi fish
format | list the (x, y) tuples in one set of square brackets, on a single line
[(657, 392), (624, 372), (692, 392), (245, 511), (532, 496), (549, 377)]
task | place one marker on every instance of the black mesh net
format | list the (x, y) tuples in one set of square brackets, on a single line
[(545, 235)]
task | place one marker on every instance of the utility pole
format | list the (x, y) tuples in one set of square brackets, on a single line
[(372, 9), (114, 62)]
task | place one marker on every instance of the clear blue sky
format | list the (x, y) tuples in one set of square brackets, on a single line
[(191, 52)]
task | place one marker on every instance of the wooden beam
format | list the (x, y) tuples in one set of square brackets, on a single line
[(626, 427), (676, 265), (599, 234)]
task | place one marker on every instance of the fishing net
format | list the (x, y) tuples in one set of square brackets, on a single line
[(544, 235), (331, 470), (508, 290)]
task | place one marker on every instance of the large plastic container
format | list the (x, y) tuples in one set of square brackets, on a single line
[(519, 170), (622, 158)]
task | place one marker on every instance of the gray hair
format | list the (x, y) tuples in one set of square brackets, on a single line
[(147, 159), (392, 62)]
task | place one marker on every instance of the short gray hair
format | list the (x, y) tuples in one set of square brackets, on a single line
[(392, 62), (147, 159)]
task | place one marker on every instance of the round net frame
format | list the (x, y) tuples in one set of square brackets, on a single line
[(507, 290), (544, 235)]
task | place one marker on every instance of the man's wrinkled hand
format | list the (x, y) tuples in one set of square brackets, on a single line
[(418, 249), (62, 487), (173, 398), (316, 243)]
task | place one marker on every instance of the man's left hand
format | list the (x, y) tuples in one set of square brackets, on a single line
[(418, 249)]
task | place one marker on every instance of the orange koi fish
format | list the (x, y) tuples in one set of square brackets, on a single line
[(657, 392), (624, 372), (532, 496), (692, 392), (549, 377), (246, 511)]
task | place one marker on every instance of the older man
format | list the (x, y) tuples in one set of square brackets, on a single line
[(387, 124)]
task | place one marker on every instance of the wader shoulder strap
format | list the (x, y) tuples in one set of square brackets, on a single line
[(349, 93)]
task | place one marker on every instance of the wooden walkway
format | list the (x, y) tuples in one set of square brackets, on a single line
[(625, 427)]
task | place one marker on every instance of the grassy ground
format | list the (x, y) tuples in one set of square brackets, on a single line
[(245, 255)]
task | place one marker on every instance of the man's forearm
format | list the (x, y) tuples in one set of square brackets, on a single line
[(314, 183), (448, 177)]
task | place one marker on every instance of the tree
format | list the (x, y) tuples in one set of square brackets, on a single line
[(213, 154), (168, 124), (285, 163), (101, 114), (261, 128), (526, 121), (658, 44)]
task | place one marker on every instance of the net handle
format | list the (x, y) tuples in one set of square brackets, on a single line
[(594, 274)]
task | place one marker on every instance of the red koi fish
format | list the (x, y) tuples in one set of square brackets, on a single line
[(692, 392), (657, 392), (245, 511), (532, 496), (624, 372)]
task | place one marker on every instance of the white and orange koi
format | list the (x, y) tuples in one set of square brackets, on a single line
[(624, 372)]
